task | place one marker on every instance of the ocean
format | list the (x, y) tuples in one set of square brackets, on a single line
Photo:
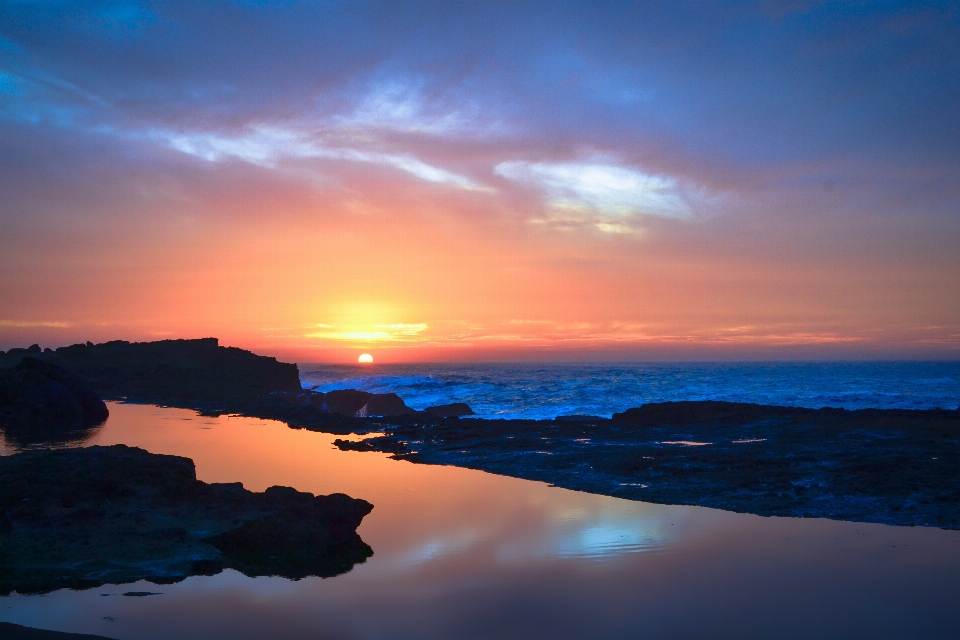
[(539, 391)]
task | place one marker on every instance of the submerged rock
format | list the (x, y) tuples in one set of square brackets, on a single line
[(80, 518)]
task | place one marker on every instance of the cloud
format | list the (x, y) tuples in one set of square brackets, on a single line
[(34, 323), (401, 106), (398, 332), (610, 192), (267, 146)]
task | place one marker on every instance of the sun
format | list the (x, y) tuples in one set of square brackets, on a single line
[(365, 358)]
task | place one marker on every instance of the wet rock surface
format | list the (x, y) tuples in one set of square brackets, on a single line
[(890, 466), (80, 518)]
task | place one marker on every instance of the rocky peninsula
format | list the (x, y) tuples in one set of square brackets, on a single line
[(83, 517)]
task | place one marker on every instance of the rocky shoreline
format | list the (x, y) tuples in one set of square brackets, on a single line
[(889, 466)]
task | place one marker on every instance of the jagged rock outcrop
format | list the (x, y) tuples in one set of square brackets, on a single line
[(79, 518)]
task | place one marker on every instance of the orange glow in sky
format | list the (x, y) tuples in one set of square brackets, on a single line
[(497, 195)]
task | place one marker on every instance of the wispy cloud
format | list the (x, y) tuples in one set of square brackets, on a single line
[(34, 323), (604, 194), (402, 106), (268, 146), (398, 332)]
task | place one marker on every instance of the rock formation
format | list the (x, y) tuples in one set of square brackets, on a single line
[(80, 518), (41, 400), (453, 410), (175, 371)]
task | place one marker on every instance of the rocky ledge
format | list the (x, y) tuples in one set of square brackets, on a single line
[(80, 518), (889, 466), (197, 374)]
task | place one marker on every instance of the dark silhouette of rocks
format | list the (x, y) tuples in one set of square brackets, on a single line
[(10, 631), (176, 372), (889, 466), (453, 410), (347, 402), (79, 518), (576, 417), (19, 352), (42, 401), (350, 402)]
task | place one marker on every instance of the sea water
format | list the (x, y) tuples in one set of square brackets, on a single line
[(547, 390)]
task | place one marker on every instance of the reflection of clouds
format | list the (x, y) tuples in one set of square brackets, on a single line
[(436, 548), (549, 529), (595, 535)]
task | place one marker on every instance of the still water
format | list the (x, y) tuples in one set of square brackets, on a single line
[(464, 554)]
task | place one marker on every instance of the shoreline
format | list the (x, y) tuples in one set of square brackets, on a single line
[(891, 466)]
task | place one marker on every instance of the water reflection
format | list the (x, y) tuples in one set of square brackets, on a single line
[(466, 554), (13, 440)]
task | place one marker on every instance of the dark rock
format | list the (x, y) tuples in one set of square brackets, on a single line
[(10, 631), (346, 402), (29, 351), (79, 518), (895, 467), (301, 398), (386, 404), (206, 567), (453, 410), (351, 402), (575, 417), (317, 399), (39, 399), (178, 372)]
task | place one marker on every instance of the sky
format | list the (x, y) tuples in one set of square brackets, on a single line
[(472, 181)]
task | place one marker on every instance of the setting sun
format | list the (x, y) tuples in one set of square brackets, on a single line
[(365, 358)]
